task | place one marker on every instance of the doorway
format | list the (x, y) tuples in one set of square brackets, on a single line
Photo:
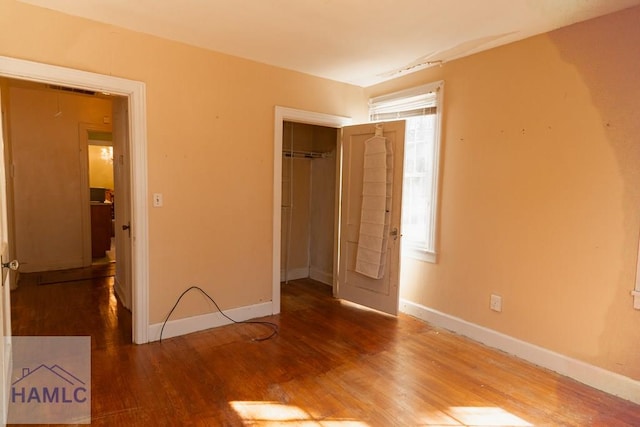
[(133, 93), (309, 165), (380, 291), (102, 193), (282, 115), (61, 186)]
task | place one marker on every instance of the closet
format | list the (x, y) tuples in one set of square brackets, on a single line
[(308, 202)]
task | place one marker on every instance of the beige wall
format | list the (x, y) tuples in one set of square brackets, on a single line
[(210, 126), (50, 175), (539, 191)]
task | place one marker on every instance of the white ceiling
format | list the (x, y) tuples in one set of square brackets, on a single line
[(361, 42)]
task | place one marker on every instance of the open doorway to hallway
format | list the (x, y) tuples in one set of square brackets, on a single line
[(61, 188), (130, 113)]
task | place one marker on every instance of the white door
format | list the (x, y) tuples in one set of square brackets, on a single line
[(377, 293), (122, 197), (5, 292)]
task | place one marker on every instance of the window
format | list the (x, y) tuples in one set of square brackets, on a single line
[(421, 108)]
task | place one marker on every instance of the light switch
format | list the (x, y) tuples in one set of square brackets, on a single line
[(157, 200)]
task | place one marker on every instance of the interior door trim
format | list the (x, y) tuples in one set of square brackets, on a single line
[(135, 91)]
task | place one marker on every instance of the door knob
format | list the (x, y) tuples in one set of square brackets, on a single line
[(11, 265)]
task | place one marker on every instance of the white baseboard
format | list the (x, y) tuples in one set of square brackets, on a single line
[(295, 274), (311, 272), (321, 276), (178, 327), (601, 379)]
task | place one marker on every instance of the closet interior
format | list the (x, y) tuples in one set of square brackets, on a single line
[(308, 202)]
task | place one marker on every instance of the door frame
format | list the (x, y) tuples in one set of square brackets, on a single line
[(6, 275), (135, 91), (299, 116)]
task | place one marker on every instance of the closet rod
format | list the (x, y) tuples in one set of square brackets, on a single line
[(305, 154)]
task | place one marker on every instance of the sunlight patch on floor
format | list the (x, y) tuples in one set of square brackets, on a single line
[(255, 413), (278, 414), (478, 416)]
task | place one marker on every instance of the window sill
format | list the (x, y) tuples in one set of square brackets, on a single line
[(419, 254)]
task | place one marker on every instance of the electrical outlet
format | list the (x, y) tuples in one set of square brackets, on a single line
[(496, 303)]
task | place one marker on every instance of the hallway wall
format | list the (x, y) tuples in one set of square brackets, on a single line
[(50, 175)]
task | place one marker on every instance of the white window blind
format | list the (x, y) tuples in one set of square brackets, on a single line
[(400, 108)]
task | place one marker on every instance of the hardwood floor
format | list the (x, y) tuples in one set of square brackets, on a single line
[(332, 364)]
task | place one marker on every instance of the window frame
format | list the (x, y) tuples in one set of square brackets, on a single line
[(428, 252)]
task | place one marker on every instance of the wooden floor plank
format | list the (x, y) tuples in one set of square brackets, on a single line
[(332, 364)]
